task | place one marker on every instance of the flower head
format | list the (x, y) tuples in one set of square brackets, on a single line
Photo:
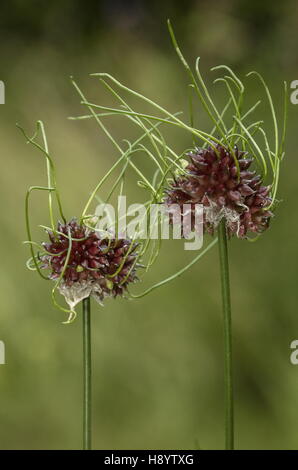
[(88, 263), (225, 186)]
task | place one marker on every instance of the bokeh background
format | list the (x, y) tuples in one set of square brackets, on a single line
[(157, 361)]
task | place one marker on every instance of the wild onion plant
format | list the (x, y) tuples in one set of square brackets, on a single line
[(232, 170), (81, 261)]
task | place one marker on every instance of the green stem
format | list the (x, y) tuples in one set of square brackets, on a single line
[(227, 319), (87, 374)]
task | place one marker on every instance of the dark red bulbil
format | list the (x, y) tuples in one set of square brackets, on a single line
[(93, 259), (211, 179)]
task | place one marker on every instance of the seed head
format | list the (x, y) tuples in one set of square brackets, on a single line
[(96, 265), (212, 179)]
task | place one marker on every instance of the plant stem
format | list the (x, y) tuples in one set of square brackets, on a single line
[(227, 320), (87, 374)]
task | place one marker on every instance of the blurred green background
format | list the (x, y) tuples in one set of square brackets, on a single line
[(157, 361)]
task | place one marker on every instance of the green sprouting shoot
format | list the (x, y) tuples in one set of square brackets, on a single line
[(242, 130), (51, 172), (34, 258), (51, 188)]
